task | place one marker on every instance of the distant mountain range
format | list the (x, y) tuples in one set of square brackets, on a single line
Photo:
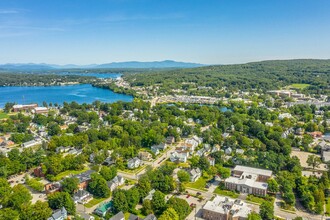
[(131, 64)]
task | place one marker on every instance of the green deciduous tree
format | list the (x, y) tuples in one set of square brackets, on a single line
[(267, 211), (98, 186), (183, 176), (169, 213), (181, 207), (59, 199), (158, 202), (70, 185)]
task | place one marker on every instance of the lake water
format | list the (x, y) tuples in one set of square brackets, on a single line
[(84, 93)]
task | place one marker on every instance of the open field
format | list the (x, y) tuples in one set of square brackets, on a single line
[(303, 160), (199, 184), (3, 115), (299, 86)]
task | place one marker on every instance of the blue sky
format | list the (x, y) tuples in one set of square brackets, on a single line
[(203, 31)]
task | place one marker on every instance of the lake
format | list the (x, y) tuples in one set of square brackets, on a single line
[(83, 93)]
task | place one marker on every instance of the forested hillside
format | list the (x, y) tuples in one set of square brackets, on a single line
[(263, 75)]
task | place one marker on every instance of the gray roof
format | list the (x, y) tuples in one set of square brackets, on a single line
[(150, 217), (133, 217), (58, 214), (118, 216), (85, 176)]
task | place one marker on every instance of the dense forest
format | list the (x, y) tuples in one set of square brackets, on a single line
[(263, 75), (16, 79)]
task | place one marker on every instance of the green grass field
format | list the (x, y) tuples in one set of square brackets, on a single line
[(3, 115), (299, 86), (224, 192), (67, 173), (199, 184), (94, 202)]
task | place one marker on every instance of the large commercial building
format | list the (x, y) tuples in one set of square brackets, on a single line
[(249, 180), (223, 208)]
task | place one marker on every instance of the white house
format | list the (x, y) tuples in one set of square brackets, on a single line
[(115, 182), (195, 174), (134, 163)]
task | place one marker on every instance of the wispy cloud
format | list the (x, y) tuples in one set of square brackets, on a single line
[(8, 11)]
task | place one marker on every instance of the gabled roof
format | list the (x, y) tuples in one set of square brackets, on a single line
[(118, 216)]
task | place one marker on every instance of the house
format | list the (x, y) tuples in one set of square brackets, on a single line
[(284, 115), (170, 140), (52, 187), (84, 178), (195, 174), (179, 157), (86, 216), (115, 182), (82, 196), (31, 144), (108, 161), (215, 148), (223, 208), (225, 135), (146, 156), (17, 108), (249, 180), (40, 110), (38, 172), (161, 146), (150, 217), (118, 216), (155, 150), (133, 217), (228, 150), (60, 214), (150, 195), (211, 161), (239, 151), (315, 134), (134, 163)]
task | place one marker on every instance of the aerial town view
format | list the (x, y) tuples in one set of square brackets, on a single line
[(164, 110)]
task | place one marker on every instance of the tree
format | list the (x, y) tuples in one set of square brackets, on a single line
[(119, 201), (9, 214), (266, 211), (181, 207), (20, 195), (158, 202), (169, 213), (313, 161), (203, 163), (108, 173), (183, 176), (223, 172), (133, 198), (254, 216), (98, 186), (70, 185), (272, 186), (147, 207), (59, 199), (144, 186), (38, 211)]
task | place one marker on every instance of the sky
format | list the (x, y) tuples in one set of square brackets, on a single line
[(201, 31)]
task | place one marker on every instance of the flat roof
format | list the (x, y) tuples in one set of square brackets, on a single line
[(253, 170)]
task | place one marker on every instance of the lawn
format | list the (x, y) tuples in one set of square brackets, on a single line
[(327, 206), (199, 184), (224, 192), (3, 115), (257, 199), (299, 86), (94, 202), (67, 173)]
